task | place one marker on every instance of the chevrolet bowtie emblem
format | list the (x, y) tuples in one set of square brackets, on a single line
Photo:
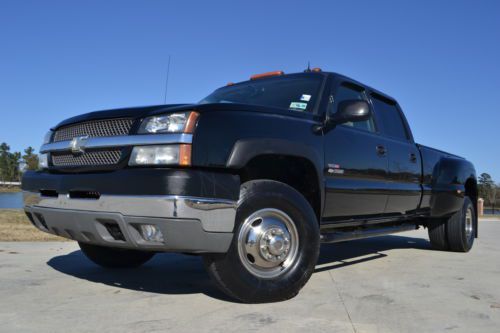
[(77, 144)]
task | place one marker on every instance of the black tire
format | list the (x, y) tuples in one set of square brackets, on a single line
[(114, 257), (231, 275), (437, 234), (456, 228)]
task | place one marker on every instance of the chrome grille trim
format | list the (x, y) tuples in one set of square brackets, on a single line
[(121, 141), (95, 128), (89, 158)]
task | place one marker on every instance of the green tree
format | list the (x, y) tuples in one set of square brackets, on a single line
[(13, 171), (9, 164), (4, 161), (492, 196), (30, 158), (487, 188), (496, 204)]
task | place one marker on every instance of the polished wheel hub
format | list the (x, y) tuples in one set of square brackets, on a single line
[(274, 244), (469, 228), (268, 243)]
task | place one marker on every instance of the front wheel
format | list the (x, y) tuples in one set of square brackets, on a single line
[(275, 245)]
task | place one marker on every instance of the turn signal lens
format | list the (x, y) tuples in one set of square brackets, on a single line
[(185, 155), (191, 122)]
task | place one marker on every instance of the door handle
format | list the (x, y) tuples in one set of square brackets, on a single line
[(413, 158), (381, 151)]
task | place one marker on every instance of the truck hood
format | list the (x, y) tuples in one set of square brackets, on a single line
[(146, 111), (134, 112)]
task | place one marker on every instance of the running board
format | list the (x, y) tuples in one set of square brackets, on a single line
[(340, 236)]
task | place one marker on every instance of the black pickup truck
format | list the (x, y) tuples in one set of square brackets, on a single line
[(253, 178)]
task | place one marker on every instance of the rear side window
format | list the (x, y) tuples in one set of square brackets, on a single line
[(390, 117), (346, 92)]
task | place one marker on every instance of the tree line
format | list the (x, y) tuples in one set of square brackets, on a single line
[(10, 163), (488, 190)]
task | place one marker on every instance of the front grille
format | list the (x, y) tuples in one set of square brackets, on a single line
[(108, 127), (89, 158)]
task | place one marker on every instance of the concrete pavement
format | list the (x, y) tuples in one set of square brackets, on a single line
[(386, 284)]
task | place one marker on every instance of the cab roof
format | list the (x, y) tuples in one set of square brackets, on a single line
[(312, 72)]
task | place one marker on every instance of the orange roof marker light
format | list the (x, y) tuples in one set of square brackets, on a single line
[(267, 74), (316, 69)]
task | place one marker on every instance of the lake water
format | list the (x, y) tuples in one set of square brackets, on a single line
[(490, 211), (11, 200)]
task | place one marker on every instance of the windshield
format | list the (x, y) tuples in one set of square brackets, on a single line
[(294, 93)]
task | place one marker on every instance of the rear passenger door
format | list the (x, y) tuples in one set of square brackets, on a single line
[(355, 163), (404, 171)]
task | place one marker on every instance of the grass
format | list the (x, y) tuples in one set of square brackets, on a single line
[(9, 189), (490, 217), (15, 227)]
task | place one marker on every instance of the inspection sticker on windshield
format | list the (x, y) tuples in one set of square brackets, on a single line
[(305, 98), (298, 105)]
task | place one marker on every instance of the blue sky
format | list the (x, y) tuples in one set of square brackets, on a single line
[(440, 59)]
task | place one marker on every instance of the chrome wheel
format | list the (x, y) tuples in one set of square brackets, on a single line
[(268, 243), (469, 223)]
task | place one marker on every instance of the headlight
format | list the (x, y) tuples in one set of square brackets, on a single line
[(181, 122), (47, 137), (161, 155), (43, 161)]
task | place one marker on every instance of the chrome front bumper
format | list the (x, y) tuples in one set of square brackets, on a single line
[(188, 224)]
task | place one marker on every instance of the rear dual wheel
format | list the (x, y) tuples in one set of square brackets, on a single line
[(456, 233)]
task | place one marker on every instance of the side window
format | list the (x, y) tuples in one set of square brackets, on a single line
[(347, 92), (390, 118)]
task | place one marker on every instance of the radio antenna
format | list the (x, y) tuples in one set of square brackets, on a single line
[(166, 81), (308, 67)]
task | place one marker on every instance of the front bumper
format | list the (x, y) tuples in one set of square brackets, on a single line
[(189, 223)]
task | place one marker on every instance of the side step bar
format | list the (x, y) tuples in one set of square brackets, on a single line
[(340, 236)]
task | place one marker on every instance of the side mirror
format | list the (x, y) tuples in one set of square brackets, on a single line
[(351, 111)]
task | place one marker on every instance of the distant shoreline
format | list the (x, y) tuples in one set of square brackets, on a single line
[(10, 189)]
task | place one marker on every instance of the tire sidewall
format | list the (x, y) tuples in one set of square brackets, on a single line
[(468, 242), (268, 194)]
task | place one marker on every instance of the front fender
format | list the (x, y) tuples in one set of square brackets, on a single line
[(244, 150)]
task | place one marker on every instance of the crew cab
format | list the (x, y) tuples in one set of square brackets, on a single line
[(253, 178)]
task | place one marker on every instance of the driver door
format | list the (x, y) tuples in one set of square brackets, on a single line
[(355, 163)]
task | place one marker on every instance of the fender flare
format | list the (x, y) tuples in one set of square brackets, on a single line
[(245, 150), (448, 187)]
